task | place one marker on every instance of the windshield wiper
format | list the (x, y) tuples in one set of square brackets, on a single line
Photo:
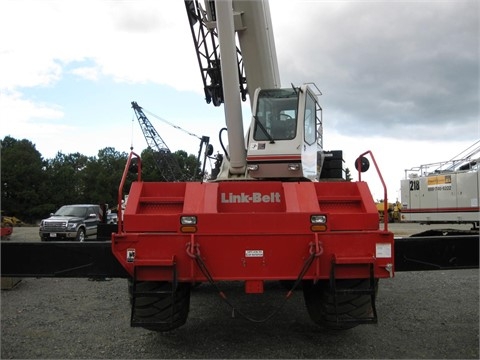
[(257, 122)]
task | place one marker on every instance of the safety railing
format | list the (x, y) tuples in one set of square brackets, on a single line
[(128, 168), (358, 164)]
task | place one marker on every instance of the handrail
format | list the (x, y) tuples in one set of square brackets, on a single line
[(385, 198), (122, 184)]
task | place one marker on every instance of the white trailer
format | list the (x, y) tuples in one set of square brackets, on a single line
[(444, 192)]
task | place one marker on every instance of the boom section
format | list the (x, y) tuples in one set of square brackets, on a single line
[(216, 32), (202, 22), (255, 56)]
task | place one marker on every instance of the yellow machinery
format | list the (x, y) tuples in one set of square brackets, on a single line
[(394, 211)]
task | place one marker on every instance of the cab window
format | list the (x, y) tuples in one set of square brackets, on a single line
[(310, 121), (277, 114)]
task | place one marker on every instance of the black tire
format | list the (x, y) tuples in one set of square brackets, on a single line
[(81, 235), (321, 306), (130, 290), (157, 310)]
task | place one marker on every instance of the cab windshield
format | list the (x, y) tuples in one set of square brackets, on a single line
[(277, 115)]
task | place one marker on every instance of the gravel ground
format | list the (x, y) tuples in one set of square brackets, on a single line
[(421, 315)]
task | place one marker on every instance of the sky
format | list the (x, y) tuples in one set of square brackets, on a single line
[(398, 78)]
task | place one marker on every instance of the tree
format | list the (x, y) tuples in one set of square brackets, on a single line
[(150, 170), (348, 175), (188, 164), (102, 176), (32, 187), (66, 178), (22, 179), (181, 166)]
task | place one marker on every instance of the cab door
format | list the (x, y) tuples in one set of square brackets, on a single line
[(312, 136), (92, 220)]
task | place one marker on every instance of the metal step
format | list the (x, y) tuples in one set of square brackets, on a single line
[(135, 321), (371, 290)]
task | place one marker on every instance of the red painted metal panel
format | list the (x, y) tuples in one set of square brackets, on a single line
[(300, 197), (256, 257), (250, 230)]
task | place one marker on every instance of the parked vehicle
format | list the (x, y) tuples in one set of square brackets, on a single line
[(112, 218), (6, 229), (71, 222), (445, 192)]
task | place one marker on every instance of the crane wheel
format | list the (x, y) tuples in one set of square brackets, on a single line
[(320, 303), (158, 309)]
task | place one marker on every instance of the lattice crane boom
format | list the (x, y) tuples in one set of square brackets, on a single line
[(166, 162), (153, 138), (205, 38)]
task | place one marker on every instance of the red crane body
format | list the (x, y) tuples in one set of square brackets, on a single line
[(268, 215), (252, 231)]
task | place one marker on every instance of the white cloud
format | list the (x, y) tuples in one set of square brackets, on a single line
[(399, 78), (40, 123), (132, 42), (417, 58), (90, 73), (18, 70), (14, 106)]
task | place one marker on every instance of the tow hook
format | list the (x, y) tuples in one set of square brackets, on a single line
[(389, 268), (316, 247), (192, 249)]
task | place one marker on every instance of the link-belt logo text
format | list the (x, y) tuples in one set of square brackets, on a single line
[(243, 198)]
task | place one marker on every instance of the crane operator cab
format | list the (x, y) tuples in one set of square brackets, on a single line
[(285, 137)]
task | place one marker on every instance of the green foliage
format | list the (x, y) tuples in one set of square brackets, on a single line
[(66, 174), (150, 169), (102, 176), (177, 166), (188, 165), (23, 178), (32, 187), (348, 175)]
